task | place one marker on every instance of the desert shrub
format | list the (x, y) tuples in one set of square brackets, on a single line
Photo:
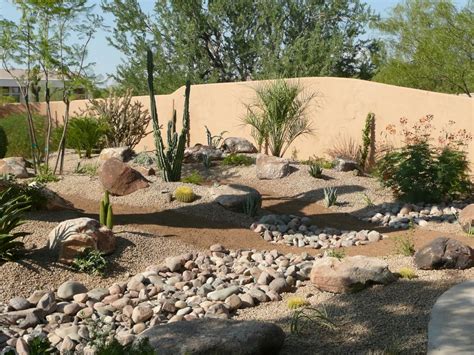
[(45, 175), (86, 169), (252, 205), (278, 116), (336, 253), (126, 120), (404, 245), (330, 196), (345, 148), (315, 170), (184, 194), (15, 127), (3, 143), (11, 216), (323, 163), (420, 173), (304, 320), (86, 134), (91, 262), (296, 302), (194, 178), (407, 273), (237, 159)]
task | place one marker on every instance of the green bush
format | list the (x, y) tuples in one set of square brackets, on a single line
[(86, 134), (315, 170), (3, 143), (16, 129), (420, 173), (237, 159), (193, 178), (91, 262)]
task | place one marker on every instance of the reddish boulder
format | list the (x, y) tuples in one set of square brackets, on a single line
[(444, 253), (120, 179)]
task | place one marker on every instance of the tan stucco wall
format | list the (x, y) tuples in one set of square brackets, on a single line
[(340, 108)]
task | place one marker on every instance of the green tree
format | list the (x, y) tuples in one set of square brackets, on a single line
[(237, 40), (429, 46)]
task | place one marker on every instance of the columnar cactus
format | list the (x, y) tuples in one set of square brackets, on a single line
[(106, 214), (170, 158)]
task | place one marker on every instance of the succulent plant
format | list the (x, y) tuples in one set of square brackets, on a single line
[(330, 196), (252, 205), (184, 194), (315, 170), (106, 214)]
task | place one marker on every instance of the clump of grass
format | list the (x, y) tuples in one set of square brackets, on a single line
[(407, 273), (45, 175), (91, 262), (297, 302), (367, 200), (330, 196), (336, 253), (306, 318), (194, 178), (323, 163), (86, 169), (405, 246), (237, 159)]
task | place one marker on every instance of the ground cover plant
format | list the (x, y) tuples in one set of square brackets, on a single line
[(91, 262), (193, 178), (237, 159)]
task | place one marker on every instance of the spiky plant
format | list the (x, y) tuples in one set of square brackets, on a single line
[(315, 170), (170, 158), (306, 318), (184, 194), (11, 216), (330, 196), (252, 205)]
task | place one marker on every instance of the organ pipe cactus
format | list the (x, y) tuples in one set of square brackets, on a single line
[(170, 158), (106, 214)]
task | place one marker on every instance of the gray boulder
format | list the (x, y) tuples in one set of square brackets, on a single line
[(444, 253), (270, 168), (215, 336), (238, 145), (197, 152), (233, 197), (346, 165), (15, 166)]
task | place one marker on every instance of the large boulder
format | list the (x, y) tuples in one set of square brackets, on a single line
[(346, 165), (444, 253), (349, 274), (238, 145), (197, 152), (234, 197), (215, 336), (73, 236), (123, 154), (270, 168), (466, 218), (119, 179), (15, 166)]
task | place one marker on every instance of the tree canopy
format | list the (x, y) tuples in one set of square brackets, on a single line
[(430, 46), (236, 40)]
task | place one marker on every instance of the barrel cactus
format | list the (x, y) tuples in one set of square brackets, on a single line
[(184, 194)]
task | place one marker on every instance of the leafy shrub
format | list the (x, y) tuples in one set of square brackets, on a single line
[(40, 345), (90, 261), (330, 196), (315, 171), (296, 302), (11, 215), (126, 120), (420, 173), (3, 143), (237, 159), (404, 245), (278, 116), (407, 273), (193, 178), (184, 194), (86, 134), (306, 318), (252, 205), (336, 253), (45, 175), (16, 129)]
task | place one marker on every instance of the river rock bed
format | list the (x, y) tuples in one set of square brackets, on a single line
[(400, 216), (298, 231), (191, 286)]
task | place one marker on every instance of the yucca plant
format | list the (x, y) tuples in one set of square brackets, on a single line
[(315, 170), (305, 318), (11, 216), (330, 196), (252, 205)]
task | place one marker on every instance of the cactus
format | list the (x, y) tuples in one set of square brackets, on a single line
[(315, 170), (251, 205), (170, 159), (330, 196), (366, 139), (3, 143), (106, 213), (184, 194)]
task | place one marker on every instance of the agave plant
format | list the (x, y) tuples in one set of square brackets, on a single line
[(11, 216)]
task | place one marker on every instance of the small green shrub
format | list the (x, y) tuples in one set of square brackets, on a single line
[(11, 216), (315, 170), (404, 245), (86, 169), (91, 262), (237, 159), (184, 194), (336, 253), (420, 173), (323, 163), (296, 302), (3, 143), (86, 134), (40, 345), (407, 273), (252, 205), (330, 196), (45, 175), (306, 318), (194, 178)]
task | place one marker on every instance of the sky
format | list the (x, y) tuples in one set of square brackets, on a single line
[(107, 58)]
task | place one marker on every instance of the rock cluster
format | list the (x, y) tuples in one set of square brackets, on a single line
[(192, 286), (400, 216), (444, 253), (298, 231)]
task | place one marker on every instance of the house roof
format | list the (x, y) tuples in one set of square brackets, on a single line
[(4, 75)]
